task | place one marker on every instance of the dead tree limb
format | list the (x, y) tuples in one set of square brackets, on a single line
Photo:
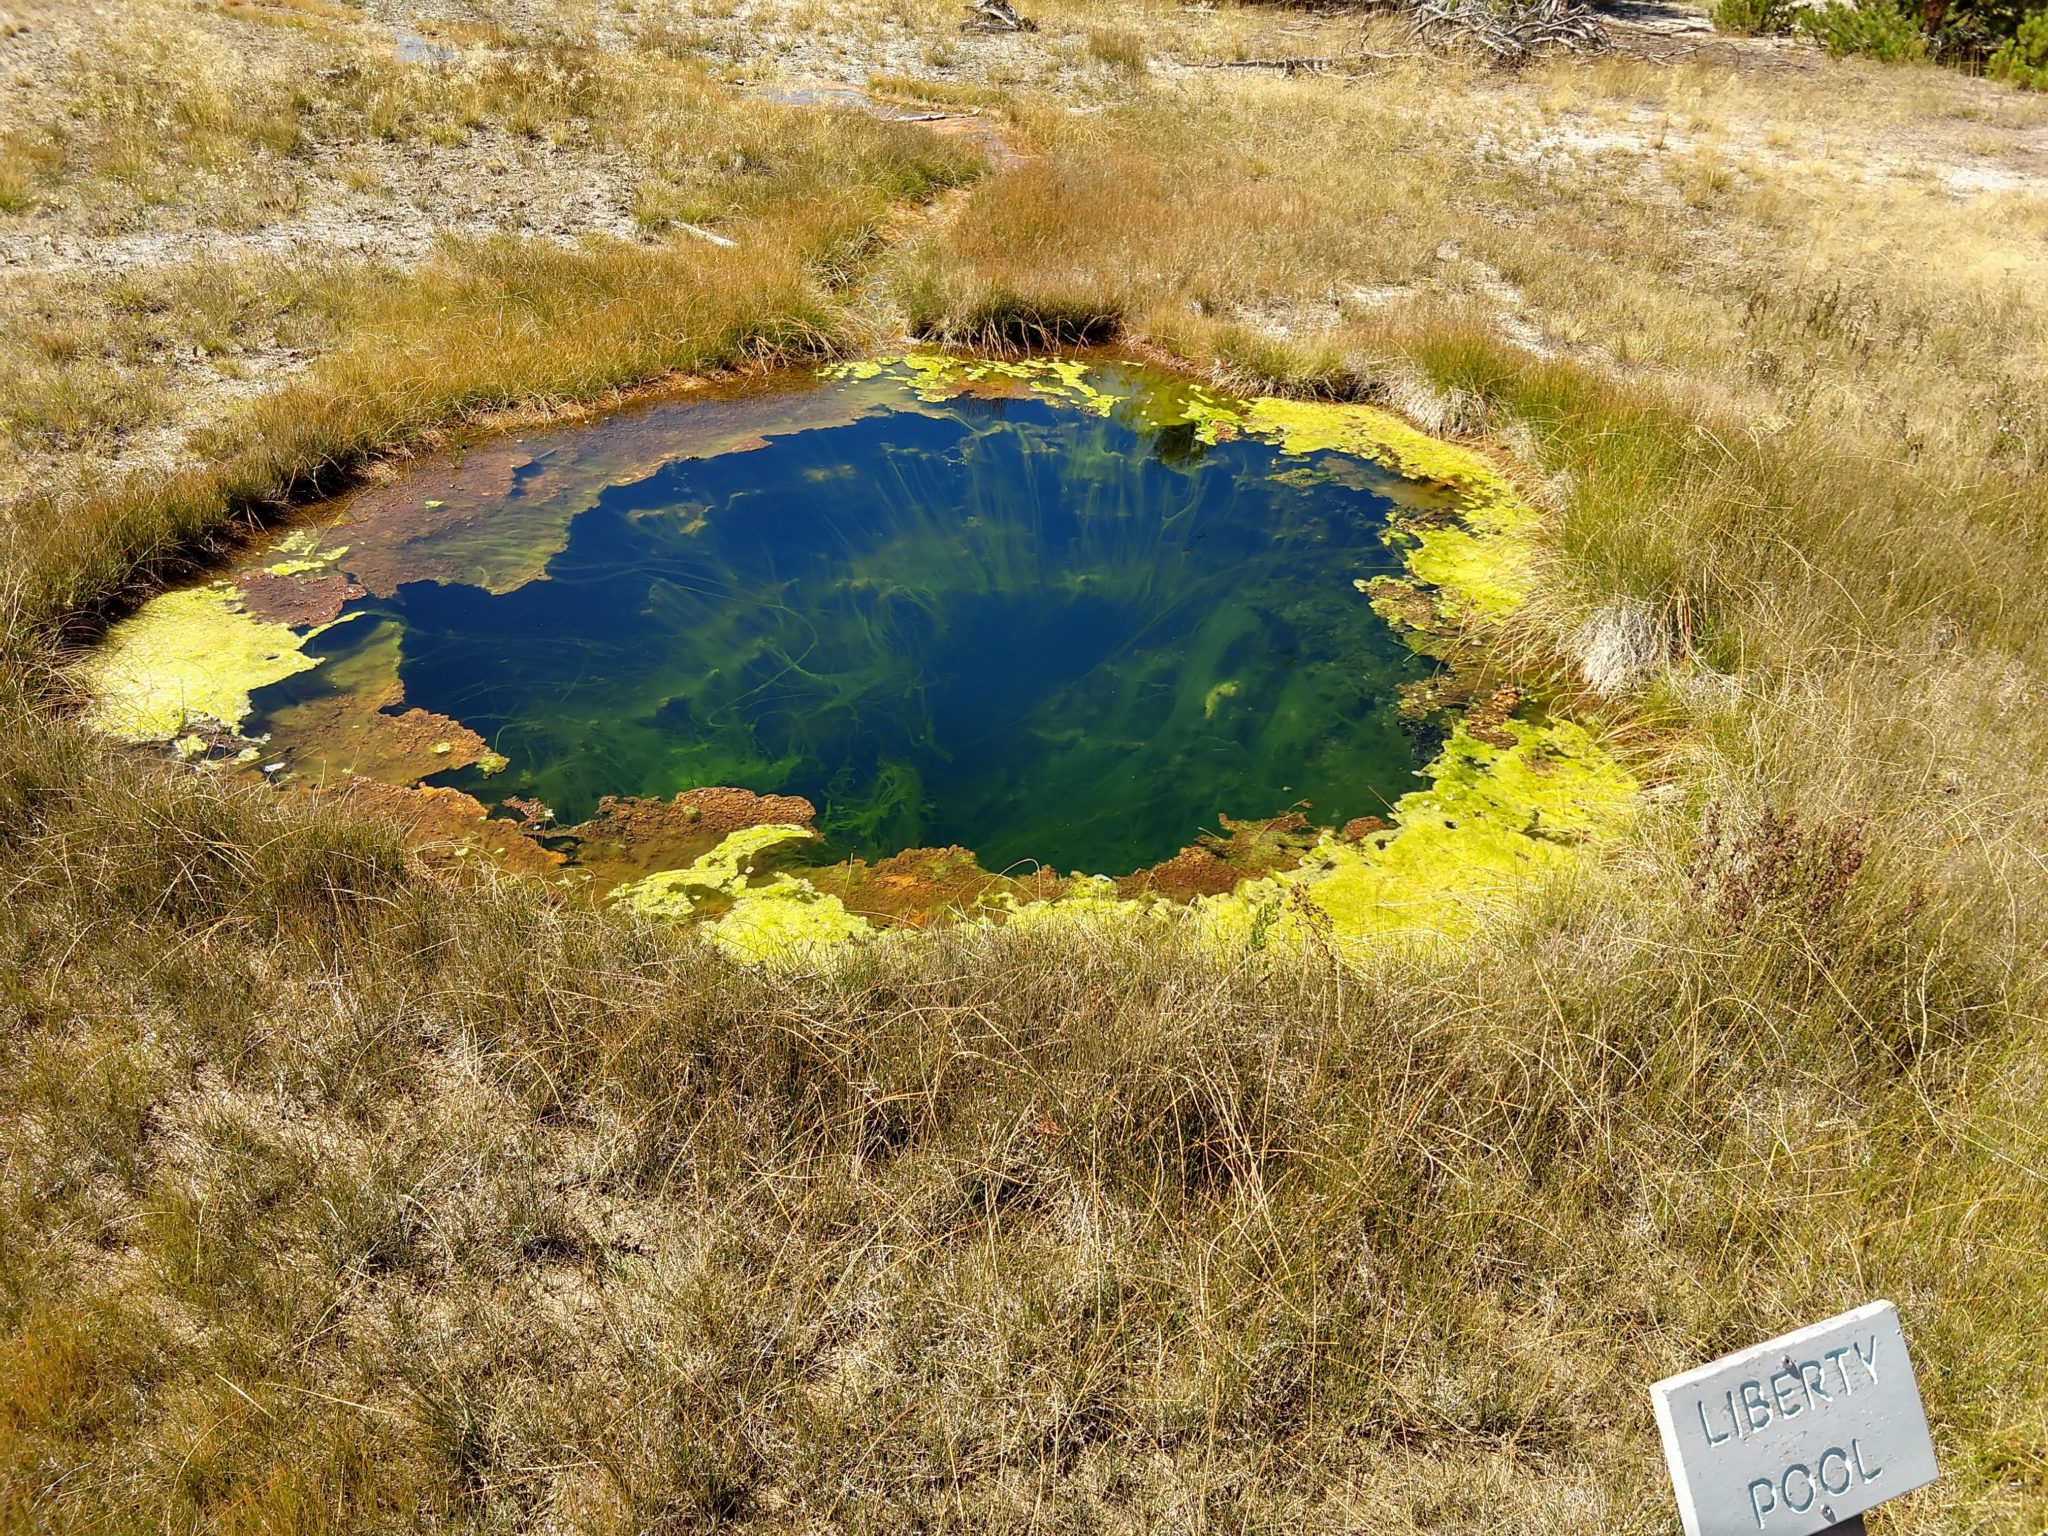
[(1512, 31), (996, 16)]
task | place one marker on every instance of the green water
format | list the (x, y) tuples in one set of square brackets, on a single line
[(1008, 623)]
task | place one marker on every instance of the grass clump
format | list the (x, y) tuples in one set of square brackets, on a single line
[(25, 159), (1118, 48)]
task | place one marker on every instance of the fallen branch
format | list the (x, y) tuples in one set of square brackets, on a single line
[(1513, 31), (1309, 66), (701, 233), (1285, 66), (996, 16)]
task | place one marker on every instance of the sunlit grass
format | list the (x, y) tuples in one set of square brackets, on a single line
[(337, 1195)]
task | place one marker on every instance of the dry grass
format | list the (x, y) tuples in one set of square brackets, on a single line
[(1117, 47), (99, 381), (579, 1224), (337, 1196)]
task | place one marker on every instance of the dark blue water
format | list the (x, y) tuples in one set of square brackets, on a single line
[(1017, 626)]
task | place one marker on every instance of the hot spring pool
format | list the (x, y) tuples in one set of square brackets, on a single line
[(1045, 612)]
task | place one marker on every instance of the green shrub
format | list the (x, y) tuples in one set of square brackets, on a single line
[(2007, 38), (1878, 29), (2024, 60), (1755, 17)]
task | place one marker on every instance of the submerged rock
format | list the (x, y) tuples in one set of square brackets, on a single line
[(297, 600), (354, 723), (446, 825)]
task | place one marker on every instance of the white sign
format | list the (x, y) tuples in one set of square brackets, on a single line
[(1799, 1434)]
